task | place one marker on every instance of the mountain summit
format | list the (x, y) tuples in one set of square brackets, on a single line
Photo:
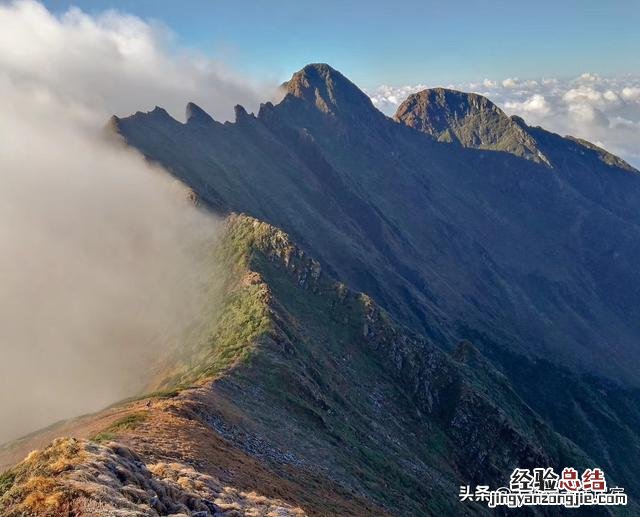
[(320, 87), (469, 119), (327, 88)]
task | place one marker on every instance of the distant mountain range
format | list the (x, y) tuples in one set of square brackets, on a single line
[(414, 303)]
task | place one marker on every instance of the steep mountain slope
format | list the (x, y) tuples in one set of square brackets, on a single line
[(448, 239), (172, 455), (474, 121), (300, 397)]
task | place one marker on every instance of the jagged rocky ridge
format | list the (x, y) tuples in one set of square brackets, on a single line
[(537, 256), (333, 395)]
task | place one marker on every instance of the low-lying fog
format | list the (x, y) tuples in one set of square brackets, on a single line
[(100, 263)]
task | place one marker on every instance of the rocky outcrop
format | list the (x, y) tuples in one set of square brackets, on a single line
[(196, 115), (327, 89), (489, 443)]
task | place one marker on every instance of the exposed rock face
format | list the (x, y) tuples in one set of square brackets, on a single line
[(196, 115), (446, 392), (328, 90), (468, 119), (602, 154)]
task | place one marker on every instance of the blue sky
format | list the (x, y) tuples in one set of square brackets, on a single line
[(570, 66), (403, 41)]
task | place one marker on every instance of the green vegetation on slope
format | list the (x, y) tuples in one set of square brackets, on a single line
[(232, 322), (6, 481), (335, 383), (33, 483), (126, 423)]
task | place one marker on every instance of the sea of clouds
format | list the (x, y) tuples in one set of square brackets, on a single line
[(603, 110), (103, 258)]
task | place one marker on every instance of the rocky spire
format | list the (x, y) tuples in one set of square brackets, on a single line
[(195, 114)]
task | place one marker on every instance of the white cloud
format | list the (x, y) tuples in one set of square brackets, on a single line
[(114, 62), (101, 261), (631, 93), (589, 77), (534, 104), (591, 102), (583, 113), (611, 96), (388, 98), (593, 107), (621, 122), (585, 94)]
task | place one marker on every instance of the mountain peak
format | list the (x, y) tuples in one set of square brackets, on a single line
[(195, 113), (241, 114), (431, 110), (469, 119), (327, 89)]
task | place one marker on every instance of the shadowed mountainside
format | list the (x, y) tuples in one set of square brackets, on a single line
[(539, 257)]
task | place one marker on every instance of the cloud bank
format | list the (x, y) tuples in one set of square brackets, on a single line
[(103, 258), (116, 63), (603, 110)]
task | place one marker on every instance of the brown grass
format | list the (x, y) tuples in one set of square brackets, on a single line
[(178, 462)]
